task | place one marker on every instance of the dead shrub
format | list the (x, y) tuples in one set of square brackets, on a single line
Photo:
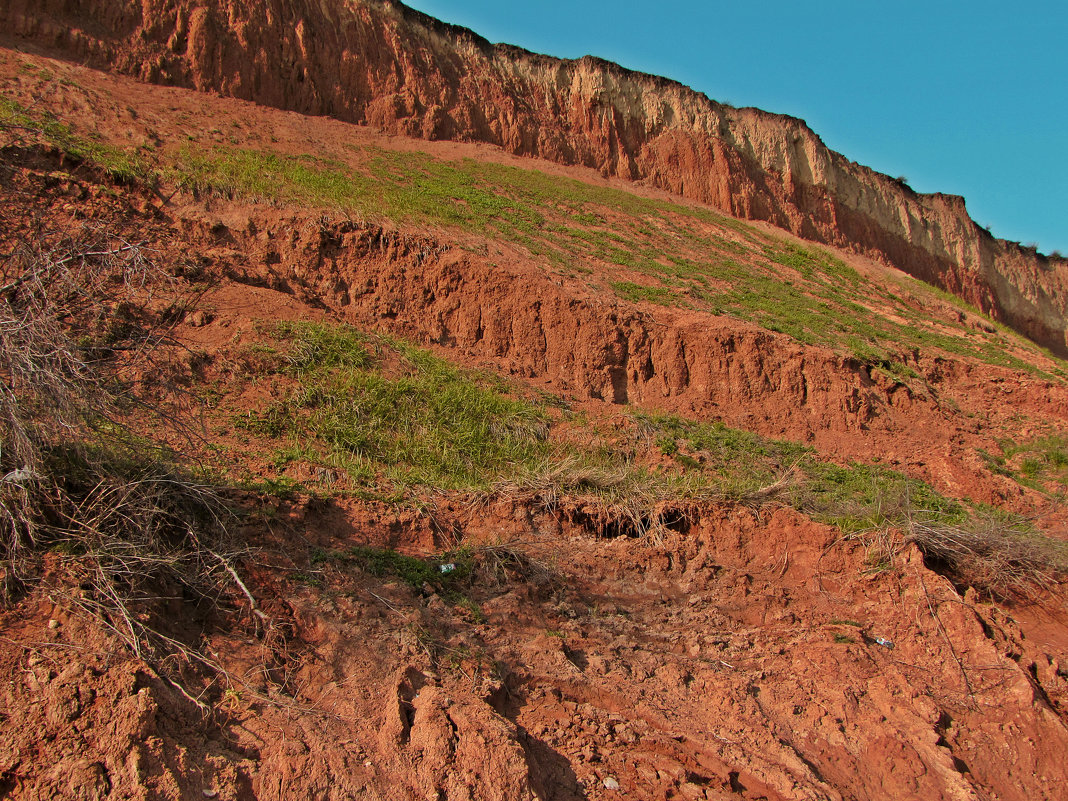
[(999, 560), (79, 315), (73, 315)]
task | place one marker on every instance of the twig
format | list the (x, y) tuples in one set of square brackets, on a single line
[(945, 635), (383, 600), (204, 708), (237, 580)]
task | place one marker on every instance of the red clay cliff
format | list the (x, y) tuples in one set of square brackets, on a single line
[(380, 63)]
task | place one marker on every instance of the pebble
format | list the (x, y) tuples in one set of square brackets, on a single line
[(53, 624), (611, 784)]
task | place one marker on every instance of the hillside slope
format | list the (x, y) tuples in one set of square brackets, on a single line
[(586, 285), (379, 63), (530, 484)]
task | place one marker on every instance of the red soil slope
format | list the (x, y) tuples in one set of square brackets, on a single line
[(745, 656), (738, 661), (496, 306)]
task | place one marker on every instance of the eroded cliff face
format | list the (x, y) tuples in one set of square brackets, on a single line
[(380, 63), (584, 345)]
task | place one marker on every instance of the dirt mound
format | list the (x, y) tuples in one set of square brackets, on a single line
[(382, 64)]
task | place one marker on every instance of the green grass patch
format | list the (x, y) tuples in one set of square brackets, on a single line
[(854, 497), (260, 174), (123, 164), (860, 497), (1040, 464), (812, 263), (387, 563), (1000, 554), (448, 574), (399, 421), (421, 422), (639, 292)]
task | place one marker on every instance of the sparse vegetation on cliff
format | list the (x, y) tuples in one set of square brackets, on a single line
[(400, 423), (528, 559), (643, 249), (712, 263), (25, 125), (1040, 463), (381, 410)]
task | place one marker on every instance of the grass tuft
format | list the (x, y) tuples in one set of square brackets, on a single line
[(1000, 558)]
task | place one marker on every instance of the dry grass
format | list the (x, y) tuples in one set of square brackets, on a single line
[(1001, 558), (126, 524), (74, 323), (616, 497), (506, 562), (52, 384), (611, 498), (997, 559)]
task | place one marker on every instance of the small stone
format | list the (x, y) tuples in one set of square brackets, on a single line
[(53, 624), (210, 793), (610, 783)]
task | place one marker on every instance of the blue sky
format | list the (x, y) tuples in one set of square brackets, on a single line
[(968, 97)]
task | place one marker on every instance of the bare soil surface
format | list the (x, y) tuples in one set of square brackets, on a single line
[(753, 656)]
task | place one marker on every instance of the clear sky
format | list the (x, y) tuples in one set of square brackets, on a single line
[(967, 97)]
